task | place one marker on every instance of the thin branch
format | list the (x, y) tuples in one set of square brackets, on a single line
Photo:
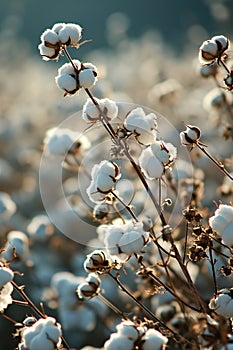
[(218, 164)]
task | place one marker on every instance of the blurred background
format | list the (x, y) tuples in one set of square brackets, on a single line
[(147, 53), (177, 21)]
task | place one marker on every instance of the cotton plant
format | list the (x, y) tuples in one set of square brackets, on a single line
[(149, 252)]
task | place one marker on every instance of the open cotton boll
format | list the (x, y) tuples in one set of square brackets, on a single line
[(43, 334), (154, 340), (127, 329), (222, 304), (118, 342), (91, 113), (132, 242), (6, 275), (208, 51)]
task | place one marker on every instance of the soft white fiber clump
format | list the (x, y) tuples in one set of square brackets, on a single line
[(222, 223)]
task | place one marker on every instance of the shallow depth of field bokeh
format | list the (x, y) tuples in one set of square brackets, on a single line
[(146, 53)]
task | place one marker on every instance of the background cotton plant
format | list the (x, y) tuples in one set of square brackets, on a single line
[(157, 251)]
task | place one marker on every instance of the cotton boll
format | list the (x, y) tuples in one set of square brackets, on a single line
[(17, 246), (91, 113), (227, 235), (222, 304), (208, 51), (127, 329), (6, 275), (118, 342), (154, 340), (131, 242)]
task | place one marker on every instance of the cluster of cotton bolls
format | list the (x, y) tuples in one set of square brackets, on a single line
[(72, 77), (44, 333), (104, 177), (128, 335), (52, 40), (124, 239)]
